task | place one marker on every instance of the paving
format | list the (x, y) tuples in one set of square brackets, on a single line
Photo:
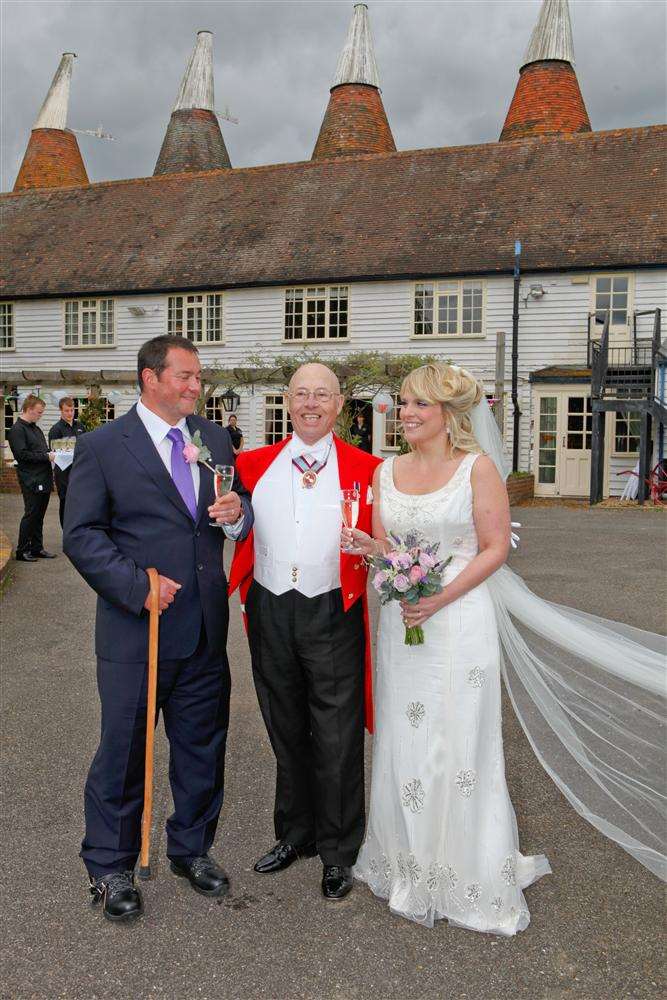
[(596, 923)]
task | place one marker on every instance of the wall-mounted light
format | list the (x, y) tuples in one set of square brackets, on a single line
[(136, 310), (534, 292), (230, 400)]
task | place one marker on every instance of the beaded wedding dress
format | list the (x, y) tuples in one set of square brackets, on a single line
[(442, 837)]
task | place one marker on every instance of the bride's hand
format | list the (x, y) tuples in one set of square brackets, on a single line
[(423, 609), (357, 543)]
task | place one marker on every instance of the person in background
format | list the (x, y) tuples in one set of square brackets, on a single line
[(360, 433), (235, 433), (66, 427), (35, 476)]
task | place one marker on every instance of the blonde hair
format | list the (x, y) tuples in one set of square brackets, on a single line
[(457, 392)]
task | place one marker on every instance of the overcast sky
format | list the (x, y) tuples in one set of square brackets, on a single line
[(448, 69)]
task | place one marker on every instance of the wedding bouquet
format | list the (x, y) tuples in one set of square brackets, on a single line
[(410, 570)]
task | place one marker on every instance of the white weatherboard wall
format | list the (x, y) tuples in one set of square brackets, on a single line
[(552, 330)]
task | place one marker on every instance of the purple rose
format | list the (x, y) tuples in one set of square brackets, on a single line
[(379, 578), (401, 583), (426, 561), (404, 560)]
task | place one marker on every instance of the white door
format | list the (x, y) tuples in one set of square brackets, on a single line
[(574, 458), (562, 444), (611, 293)]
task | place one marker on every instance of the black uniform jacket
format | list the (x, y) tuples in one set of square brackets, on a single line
[(31, 452)]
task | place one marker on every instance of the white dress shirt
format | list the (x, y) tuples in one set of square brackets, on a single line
[(157, 431), (297, 530)]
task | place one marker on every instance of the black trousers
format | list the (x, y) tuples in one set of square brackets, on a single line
[(193, 695), (31, 529), (62, 479), (308, 666)]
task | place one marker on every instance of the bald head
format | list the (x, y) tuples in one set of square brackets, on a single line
[(312, 376), (314, 401)]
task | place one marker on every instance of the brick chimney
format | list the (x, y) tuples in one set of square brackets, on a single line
[(355, 120), (547, 99), (53, 158), (193, 140)]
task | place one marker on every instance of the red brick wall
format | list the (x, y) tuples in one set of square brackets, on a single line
[(547, 101), (355, 122), (8, 481), (52, 159)]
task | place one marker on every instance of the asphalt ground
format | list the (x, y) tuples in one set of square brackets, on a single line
[(596, 928)]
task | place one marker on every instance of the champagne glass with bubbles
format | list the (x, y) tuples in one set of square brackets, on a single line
[(349, 505), (223, 480)]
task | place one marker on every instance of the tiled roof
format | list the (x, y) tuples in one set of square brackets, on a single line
[(52, 159), (547, 101), (594, 200), (193, 142), (355, 123)]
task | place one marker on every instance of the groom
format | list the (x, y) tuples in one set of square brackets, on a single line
[(308, 629), (134, 502)]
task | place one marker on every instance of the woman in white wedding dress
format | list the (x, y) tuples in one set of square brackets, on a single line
[(442, 839)]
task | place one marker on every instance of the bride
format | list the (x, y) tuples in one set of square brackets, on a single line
[(442, 837)]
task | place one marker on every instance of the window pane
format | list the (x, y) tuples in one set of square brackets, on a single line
[(575, 404), (603, 284), (338, 311), (620, 284), (6, 324), (175, 315), (214, 318), (548, 404), (575, 442), (71, 323), (423, 309)]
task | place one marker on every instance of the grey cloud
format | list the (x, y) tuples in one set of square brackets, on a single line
[(448, 70)]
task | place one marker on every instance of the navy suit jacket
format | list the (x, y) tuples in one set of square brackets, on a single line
[(123, 515)]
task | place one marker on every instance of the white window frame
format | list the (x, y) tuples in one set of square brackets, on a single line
[(627, 326), (440, 288), (391, 421), (205, 305), (274, 406), (9, 306), (109, 408), (97, 310), (625, 454), (308, 294), (213, 408)]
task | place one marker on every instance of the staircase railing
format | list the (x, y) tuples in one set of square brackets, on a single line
[(599, 360)]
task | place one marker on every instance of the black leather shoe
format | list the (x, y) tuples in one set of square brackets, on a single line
[(336, 881), (282, 856), (43, 554), (203, 873), (26, 557), (121, 899)]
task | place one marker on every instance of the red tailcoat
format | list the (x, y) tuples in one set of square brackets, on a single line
[(354, 466)]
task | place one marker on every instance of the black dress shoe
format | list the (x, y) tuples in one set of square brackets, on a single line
[(336, 881), (121, 899), (282, 856), (203, 873), (26, 557), (43, 554)]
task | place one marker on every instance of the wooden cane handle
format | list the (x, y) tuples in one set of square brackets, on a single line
[(151, 699)]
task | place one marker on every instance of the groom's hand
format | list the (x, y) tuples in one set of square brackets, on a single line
[(226, 509), (168, 590)]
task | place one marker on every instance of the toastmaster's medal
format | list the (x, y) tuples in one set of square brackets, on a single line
[(309, 470)]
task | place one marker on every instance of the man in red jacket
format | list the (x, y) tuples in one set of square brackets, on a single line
[(307, 618)]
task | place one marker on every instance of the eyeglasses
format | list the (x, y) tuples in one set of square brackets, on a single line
[(320, 395)]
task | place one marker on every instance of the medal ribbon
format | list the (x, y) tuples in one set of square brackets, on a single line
[(303, 465)]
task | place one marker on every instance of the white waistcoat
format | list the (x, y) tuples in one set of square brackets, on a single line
[(297, 531)]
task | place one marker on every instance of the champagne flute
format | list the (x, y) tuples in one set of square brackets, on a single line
[(349, 505), (223, 480)]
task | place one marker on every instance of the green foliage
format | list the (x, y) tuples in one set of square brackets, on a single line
[(91, 413), (362, 373)]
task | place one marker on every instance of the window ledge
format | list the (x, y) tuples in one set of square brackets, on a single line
[(7, 350), (88, 347), (629, 455), (317, 340), (447, 336)]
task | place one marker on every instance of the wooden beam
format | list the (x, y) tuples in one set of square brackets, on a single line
[(597, 456), (644, 456)]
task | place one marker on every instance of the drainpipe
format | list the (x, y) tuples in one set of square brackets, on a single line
[(515, 357)]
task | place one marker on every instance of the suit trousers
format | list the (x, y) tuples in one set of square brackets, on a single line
[(61, 477), (31, 537), (193, 695), (308, 666)]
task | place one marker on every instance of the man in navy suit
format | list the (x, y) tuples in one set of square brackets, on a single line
[(134, 502)]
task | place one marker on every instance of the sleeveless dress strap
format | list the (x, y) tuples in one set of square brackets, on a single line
[(387, 474)]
